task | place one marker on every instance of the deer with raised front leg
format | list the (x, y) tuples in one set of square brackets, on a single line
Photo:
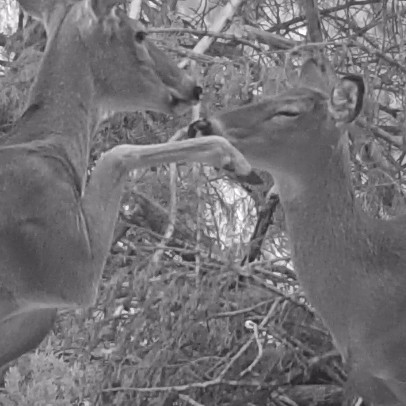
[(56, 230), (351, 266)]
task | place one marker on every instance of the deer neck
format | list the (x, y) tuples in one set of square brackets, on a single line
[(323, 211), (61, 111), (328, 233)]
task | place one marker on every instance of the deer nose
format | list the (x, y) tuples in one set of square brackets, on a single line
[(197, 92)]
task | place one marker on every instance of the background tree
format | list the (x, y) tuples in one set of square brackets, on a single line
[(199, 303)]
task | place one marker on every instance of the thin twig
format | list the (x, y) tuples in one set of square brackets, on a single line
[(182, 388), (189, 400), (250, 340), (213, 34), (225, 14), (259, 354), (240, 311)]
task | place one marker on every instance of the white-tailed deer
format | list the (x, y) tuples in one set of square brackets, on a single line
[(352, 267), (56, 230)]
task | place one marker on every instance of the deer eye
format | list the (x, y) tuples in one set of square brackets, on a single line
[(288, 113), (140, 36), (294, 109)]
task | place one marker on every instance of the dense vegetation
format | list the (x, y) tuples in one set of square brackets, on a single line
[(199, 304)]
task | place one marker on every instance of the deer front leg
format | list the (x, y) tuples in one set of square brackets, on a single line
[(101, 200), (212, 150)]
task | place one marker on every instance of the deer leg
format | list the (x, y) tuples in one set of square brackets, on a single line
[(23, 328), (376, 390), (102, 196), (101, 200), (23, 332)]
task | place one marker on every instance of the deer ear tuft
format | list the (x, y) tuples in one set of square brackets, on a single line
[(102, 8)]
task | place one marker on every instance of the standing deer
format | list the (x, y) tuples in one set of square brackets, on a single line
[(56, 230), (352, 267)]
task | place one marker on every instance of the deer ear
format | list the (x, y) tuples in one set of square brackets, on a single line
[(39, 9), (347, 98), (312, 74), (102, 8), (49, 12)]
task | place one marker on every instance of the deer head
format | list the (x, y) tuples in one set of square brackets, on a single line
[(113, 54)]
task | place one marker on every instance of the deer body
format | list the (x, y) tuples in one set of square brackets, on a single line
[(56, 230), (352, 267), (362, 259)]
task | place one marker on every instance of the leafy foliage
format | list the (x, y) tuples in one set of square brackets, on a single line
[(43, 378)]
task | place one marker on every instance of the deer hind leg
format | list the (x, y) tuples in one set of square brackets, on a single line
[(21, 329), (398, 389), (23, 332), (376, 390)]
